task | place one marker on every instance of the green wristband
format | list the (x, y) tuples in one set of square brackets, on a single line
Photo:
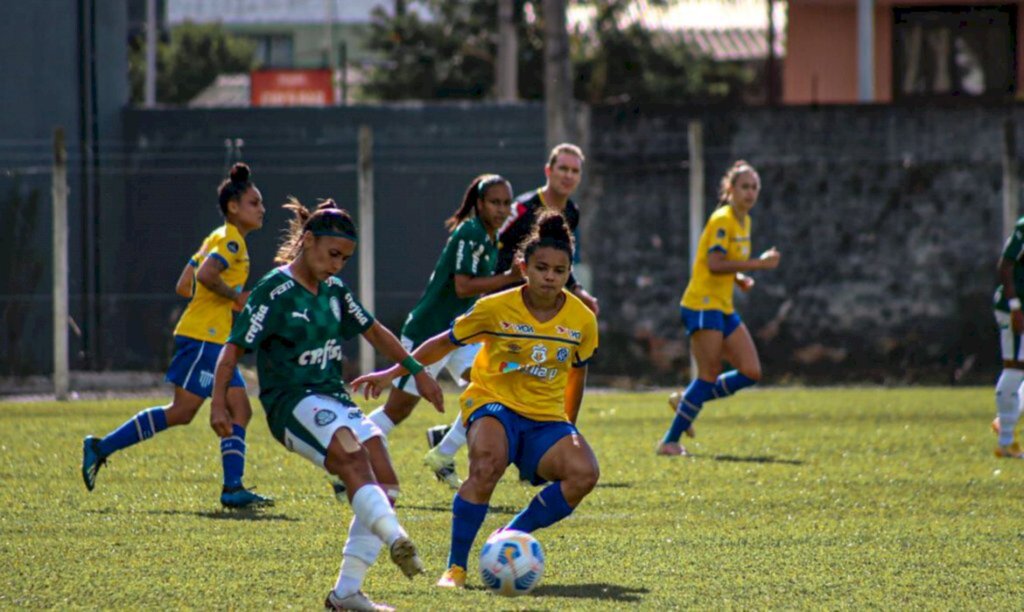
[(414, 367)]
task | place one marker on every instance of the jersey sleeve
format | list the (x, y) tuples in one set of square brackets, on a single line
[(1014, 247), (588, 345), (718, 235), (256, 322), (511, 235), (466, 249), (470, 326), (355, 319), (227, 250)]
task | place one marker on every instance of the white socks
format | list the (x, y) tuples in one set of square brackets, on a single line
[(1008, 403), (454, 439), (363, 544), (382, 421)]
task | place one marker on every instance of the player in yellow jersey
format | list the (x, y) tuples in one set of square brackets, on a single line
[(525, 394), (214, 278), (715, 329)]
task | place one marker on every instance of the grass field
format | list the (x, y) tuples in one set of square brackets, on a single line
[(825, 498)]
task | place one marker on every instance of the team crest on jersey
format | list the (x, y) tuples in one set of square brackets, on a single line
[(720, 233), (336, 308), (233, 246), (565, 331), (539, 353), (323, 416), (521, 328), (562, 354)]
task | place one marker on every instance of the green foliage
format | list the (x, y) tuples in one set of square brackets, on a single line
[(452, 55), (189, 62), (795, 499)]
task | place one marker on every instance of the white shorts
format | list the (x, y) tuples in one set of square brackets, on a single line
[(1009, 343), (314, 420), (456, 362)]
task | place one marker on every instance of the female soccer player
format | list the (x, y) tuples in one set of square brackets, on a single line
[(295, 319), (463, 271), (522, 402), (214, 279), (715, 329), (1010, 320)]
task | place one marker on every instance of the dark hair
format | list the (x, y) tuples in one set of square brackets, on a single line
[(233, 187), (476, 191), (327, 220), (550, 230), (729, 180)]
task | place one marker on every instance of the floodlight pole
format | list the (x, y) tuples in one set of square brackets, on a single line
[(695, 137), (150, 95), (366, 247), (61, 374)]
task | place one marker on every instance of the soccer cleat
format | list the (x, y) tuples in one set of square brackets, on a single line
[(673, 404), (240, 497), (403, 554), (1010, 451), (453, 578), (340, 492), (443, 467), (355, 601), (995, 425), (436, 434), (92, 461), (671, 449)]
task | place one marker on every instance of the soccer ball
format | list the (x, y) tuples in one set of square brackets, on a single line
[(511, 562)]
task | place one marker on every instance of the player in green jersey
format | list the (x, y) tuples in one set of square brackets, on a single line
[(464, 271), (295, 320), (1007, 306)]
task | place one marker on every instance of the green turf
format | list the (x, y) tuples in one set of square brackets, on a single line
[(829, 498)]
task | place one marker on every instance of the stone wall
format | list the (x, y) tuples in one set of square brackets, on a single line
[(888, 219)]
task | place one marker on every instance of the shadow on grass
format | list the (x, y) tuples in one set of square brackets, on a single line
[(447, 508), (601, 591), (756, 459), (614, 485), (229, 515)]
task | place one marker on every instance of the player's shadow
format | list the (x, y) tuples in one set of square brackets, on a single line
[(448, 508), (756, 459), (601, 591), (614, 485), (230, 515)]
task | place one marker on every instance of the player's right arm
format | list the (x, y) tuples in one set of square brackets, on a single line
[(220, 418), (184, 284), (1013, 250), (209, 277)]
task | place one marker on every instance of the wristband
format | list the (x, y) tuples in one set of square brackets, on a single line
[(414, 367), (1013, 303)]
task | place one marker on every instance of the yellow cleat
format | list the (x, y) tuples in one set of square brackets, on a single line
[(453, 578), (671, 449), (673, 404), (1010, 451)]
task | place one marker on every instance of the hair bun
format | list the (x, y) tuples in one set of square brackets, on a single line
[(328, 204), (240, 173), (552, 225)]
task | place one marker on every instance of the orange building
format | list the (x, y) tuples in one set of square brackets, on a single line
[(923, 49)]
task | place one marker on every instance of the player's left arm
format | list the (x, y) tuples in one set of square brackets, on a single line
[(184, 284), (385, 343), (209, 277), (574, 387), (220, 418)]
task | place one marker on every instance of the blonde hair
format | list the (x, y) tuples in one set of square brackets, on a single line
[(565, 148), (729, 179)]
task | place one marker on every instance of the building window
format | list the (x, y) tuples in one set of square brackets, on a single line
[(274, 51), (954, 51)]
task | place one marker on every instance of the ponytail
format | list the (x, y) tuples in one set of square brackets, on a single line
[(328, 219)]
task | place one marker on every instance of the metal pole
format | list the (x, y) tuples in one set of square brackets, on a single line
[(557, 74), (366, 247), (866, 50), (1011, 180), (61, 374), (695, 133), (508, 53), (150, 99)]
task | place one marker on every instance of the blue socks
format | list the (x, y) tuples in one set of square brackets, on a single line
[(232, 456), (142, 426), (731, 382), (696, 394), (546, 508), (466, 520)]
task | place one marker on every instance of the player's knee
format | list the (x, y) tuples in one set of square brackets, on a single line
[(583, 479), (180, 414), (753, 372), (486, 470)]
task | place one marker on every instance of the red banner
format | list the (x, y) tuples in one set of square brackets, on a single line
[(292, 88)]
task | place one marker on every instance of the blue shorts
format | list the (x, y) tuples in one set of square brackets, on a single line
[(528, 440), (696, 320), (193, 364)]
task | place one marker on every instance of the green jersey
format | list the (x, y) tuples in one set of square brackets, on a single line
[(1013, 251), (297, 336), (469, 251)]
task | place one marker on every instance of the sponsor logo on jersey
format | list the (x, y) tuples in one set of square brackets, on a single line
[(323, 416), (521, 328), (539, 353), (256, 322), (353, 309), (331, 351), (512, 347), (335, 308), (565, 331), (508, 367), (304, 315), (562, 354), (278, 290), (232, 246), (355, 414)]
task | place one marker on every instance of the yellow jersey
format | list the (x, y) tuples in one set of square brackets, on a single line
[(208, 315), (524, 364), (726, 234)]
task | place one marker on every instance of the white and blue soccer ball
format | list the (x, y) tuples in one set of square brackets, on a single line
[(511, 562)]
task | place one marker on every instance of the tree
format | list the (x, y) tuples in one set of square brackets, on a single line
[(189, 61)]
